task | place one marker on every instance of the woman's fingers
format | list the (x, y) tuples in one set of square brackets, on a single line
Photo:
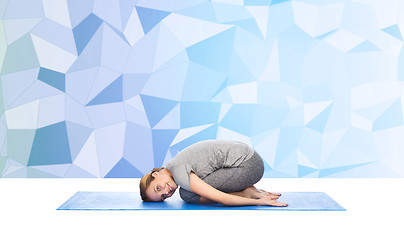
[(276, 203), (280, 204)]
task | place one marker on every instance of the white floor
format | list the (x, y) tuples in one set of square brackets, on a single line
[(375, 210)]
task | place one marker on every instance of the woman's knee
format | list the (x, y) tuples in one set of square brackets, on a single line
[(259, 165), (255, 169)]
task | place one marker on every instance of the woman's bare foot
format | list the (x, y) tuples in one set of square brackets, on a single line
[(267, 194), (249, 192), (254, 193)]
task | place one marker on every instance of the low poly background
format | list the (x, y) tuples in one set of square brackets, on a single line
[(103, 88)]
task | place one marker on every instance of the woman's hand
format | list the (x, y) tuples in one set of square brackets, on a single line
[(267, 201)]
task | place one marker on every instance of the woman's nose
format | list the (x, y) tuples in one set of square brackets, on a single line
[(166, 190), (165, 195)]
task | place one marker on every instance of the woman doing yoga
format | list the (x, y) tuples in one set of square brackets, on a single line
[(211, 171)]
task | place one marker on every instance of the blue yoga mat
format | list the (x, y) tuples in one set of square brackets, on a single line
[(298, 201)]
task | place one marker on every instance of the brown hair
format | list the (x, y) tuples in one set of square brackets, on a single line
[(145, 183)]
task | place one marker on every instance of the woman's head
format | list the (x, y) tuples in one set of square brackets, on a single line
[(157, 185)]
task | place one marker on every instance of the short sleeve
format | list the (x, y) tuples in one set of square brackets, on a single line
[(181, 174)]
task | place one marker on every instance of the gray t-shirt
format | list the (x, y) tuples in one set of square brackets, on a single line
[(205, 157)]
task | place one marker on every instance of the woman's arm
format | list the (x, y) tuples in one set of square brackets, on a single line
[(208, 192)]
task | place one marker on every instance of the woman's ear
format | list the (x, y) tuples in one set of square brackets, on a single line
[(155, 174)]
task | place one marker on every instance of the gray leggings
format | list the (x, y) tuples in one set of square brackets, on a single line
[(233, 179)]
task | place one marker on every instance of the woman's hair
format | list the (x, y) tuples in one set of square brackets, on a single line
[(145, 183)]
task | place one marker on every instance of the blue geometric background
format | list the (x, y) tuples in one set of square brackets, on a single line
[(102, 88)]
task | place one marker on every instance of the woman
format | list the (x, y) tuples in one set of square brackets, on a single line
[(211, 171)]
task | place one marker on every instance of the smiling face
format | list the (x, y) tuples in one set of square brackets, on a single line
[(163, 186)]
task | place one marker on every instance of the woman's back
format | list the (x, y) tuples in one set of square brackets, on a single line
[(205, 157)]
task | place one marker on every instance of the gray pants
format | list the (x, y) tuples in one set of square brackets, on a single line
[(232, 179)]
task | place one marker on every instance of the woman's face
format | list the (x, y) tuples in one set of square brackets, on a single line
[(163, 186)]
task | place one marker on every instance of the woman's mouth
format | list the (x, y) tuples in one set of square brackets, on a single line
[(170, 188)]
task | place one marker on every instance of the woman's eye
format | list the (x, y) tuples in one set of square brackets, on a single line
[(158, 188)]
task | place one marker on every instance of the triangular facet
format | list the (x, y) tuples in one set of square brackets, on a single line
[(156, 108), (85, 31), (392, 117), (394, 31), (111, 94), (150, 17), (365, 46), (123, 169)]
